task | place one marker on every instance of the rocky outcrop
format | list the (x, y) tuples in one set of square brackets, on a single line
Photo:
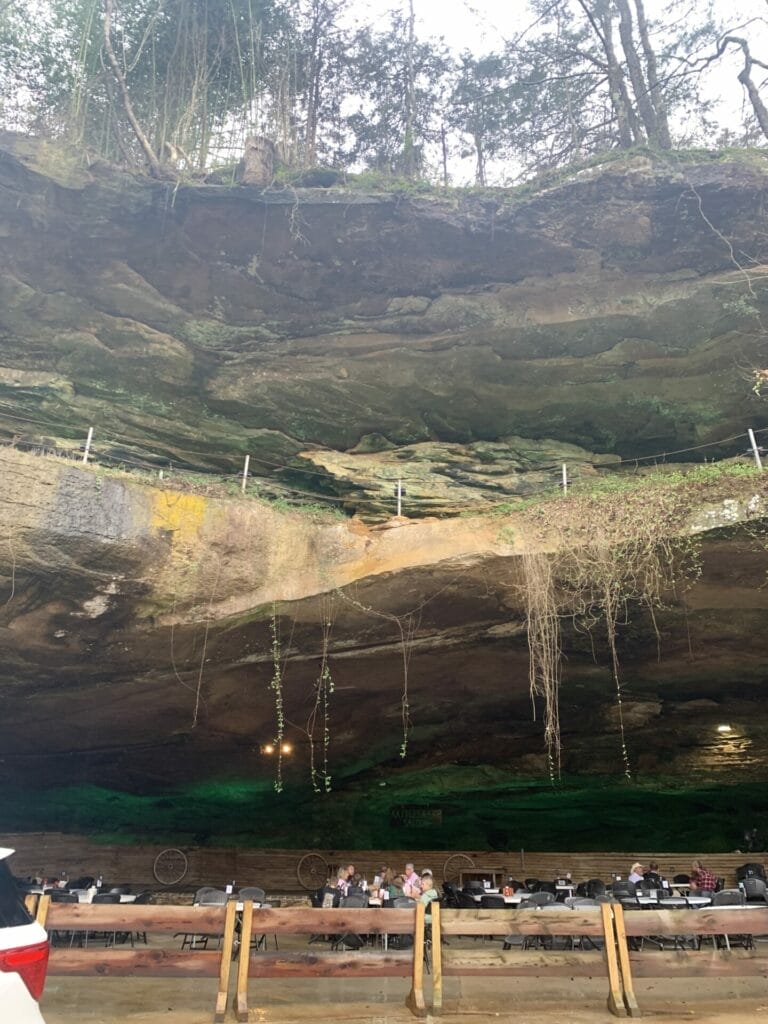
[(465, 344)]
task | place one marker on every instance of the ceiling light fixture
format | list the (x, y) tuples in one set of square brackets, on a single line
[(724, 728), (286, 748), (267, 748)]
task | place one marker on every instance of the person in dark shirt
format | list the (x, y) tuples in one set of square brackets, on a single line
[(652, 876)]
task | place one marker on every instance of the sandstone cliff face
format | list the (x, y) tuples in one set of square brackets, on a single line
[(467, 345)]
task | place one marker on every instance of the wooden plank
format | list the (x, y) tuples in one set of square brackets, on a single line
[(630, 1000), (415, 1000), (225, 962), (522, 922), (330, 965), (313, 921), (126, 917), (246, 933), (699, 963), (615, 991), (151, 963), (735, 921), (437, 960), (42, 910), (523, 963)]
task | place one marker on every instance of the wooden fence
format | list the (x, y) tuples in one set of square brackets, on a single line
[(236, 924), (276, 870)]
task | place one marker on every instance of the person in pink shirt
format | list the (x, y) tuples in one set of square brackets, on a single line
[(412, 885)]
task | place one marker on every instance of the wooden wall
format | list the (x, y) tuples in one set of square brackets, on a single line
[(50, 853)]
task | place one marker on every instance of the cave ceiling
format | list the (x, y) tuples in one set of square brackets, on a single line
[(466, 343)]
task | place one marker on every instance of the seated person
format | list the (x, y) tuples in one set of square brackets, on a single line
[(652, 877), (342, 881), (701, 879), (636, 874), (428, 892), (412, 884)]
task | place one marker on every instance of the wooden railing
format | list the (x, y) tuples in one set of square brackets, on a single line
[(143, 961)]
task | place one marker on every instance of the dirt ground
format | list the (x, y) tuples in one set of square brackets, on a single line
[(381, 1001)]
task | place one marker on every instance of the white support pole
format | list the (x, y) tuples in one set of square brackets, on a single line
[(565, 479), (87, 450), (245, 472), (755, 449), (399, 498)]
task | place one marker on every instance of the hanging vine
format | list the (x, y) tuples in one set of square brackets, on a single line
[(601, 556), (276, 685), (321, 779)]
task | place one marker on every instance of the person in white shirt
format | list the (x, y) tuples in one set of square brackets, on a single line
[(412, 884), (636, 874)]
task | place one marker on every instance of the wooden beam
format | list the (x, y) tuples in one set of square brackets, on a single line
[(359, 964), (149, 963), (316, 921), (699, 963), (630, 1001), (415, 1000), (522, 922), (243, 964), (523, 963), (734, 921), (225, 963), (615, 992), (437, 959), (127, 917)]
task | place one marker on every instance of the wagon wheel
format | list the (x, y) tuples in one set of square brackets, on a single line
[(170, 866), (312, 871), (455, 864)]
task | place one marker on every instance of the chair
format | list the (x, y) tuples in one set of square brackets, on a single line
[(350, 940), (450, 896), (750, 871), (548, 887), (252, 894), (205, 897), (532, 884), (513, 883), (59, 938), (514, 938), (755, 890), (624, 889), (466, 902), (142, 899), (540, 899), (681, 879), (725, 899), (492, 902), (729, 898)]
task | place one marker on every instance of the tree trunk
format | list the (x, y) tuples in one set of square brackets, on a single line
[(480, 168), (745, 77), (637, 78), (626, 118), (409, 156), (155, 167), (259, 161), (657, 92)]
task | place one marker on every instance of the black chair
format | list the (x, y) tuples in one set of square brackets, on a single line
[(750, 871), (681, 879), (349, 940), (61, 938), (532, 884), (450, 896), (624, 889), (474, 885), (253, 894), (513, 883), (594, 887), (547, 887), (466, 901), (492, 902)]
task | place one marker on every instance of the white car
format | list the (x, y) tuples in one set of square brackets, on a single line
[(23, 954)]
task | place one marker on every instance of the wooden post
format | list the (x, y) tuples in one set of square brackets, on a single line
[(415, 1001), (626, 970), (437, 959), (241, 997), (755, 449), (226, 962), (42, 909), (87, 450), (565, 479), (615, 994), (245, 473), (30, 902)]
